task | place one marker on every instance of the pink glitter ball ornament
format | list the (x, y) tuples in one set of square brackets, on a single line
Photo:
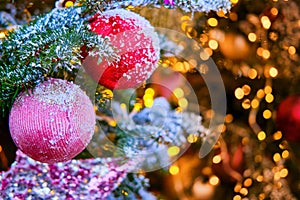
[(137, 44), (53, 123)]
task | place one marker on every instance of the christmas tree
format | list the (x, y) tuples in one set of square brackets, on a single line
[(149, 99)]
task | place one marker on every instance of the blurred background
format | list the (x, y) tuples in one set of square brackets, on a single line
[(256, 49)]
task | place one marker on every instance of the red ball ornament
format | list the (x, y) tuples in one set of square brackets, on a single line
[(137, 44), (288, 118), (53, 123)]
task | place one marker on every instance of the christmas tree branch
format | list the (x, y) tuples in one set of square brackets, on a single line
[(48, 44)]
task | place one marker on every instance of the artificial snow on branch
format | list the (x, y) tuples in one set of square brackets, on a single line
[(185, 5)]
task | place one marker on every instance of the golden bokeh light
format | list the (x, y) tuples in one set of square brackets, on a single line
[(267, 114), (260, 93), (173, 151), (228, 118), (259, 178), (174, 170), (239, 93), (183, 103), (246, 89), (2, 35), (204, 55), (273, 72), (283, 173), (237, 187), (252, 37), (246, 104), (276, 157), (237, 197), (259, 51), (285, 154), (292, 50), (192, 138), (254, 103), (234, 1), (277, 135), (266, 54), (274, 11), (217, 159), (252, 73), (248, 182), (269, 98), (244, 191), (212, 22), (213, 44), (178, 92), (150, 92), (69, 4), (214, 180), (268, 89), (261, 135), (265, 21)]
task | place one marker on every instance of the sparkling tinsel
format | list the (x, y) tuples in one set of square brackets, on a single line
[(76, 179)]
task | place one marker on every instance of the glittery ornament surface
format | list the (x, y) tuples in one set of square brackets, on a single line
[(54, 123), (138, 46), (75, 179)]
